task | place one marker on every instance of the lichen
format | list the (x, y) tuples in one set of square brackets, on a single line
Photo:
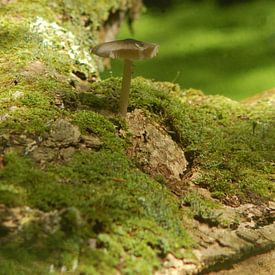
[(62, 40)]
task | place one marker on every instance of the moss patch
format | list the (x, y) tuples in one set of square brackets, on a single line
[(131, 220), (231, 142), (119, 207), (101, 212), (202, 209)]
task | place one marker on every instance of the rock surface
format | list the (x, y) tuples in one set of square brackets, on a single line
[(65, 133), (153, 149), (60, 145), (220, 248)]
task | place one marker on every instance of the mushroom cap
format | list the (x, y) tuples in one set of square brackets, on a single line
[(126, 49)]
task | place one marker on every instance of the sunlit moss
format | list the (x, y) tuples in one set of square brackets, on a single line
[(110, 215), (110, 210)]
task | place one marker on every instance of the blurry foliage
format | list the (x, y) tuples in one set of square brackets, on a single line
[(164, 4), (229, 51)]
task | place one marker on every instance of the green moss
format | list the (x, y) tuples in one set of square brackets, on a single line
[(31, 32), (219, 136), (202, 209), (91, 122), (11, 195), (134, 220), (100, 195), (125, 217), (56, 250), (59, 33), (103, 95)]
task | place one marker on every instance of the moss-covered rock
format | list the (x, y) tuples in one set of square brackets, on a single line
[(72, 198), (130, 216)]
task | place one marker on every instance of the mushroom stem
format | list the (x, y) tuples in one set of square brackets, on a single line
[(125, 89)]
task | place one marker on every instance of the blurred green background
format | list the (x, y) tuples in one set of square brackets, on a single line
[(221, 47)]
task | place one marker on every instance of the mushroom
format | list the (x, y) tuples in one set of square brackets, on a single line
[(129, 50)]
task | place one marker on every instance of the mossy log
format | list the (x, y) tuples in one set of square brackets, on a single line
[(85, 191)]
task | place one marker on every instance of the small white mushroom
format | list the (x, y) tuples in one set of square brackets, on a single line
[(129, 50)]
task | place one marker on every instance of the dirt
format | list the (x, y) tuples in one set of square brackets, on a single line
[(263, 264)]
